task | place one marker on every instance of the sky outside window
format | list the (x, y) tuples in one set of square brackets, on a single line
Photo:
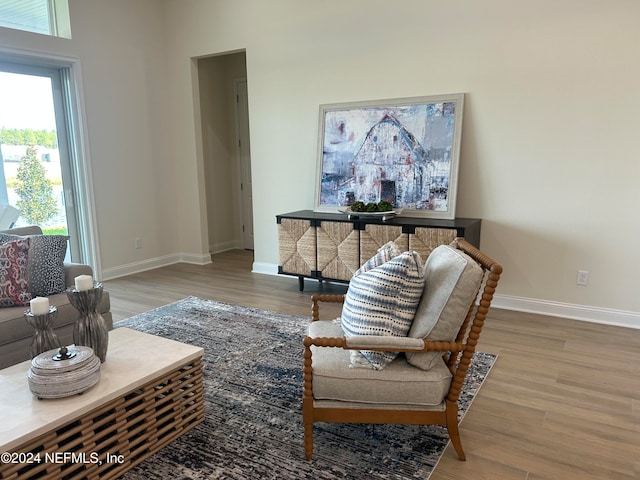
[(26, 102)]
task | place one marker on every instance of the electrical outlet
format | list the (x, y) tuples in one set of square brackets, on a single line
[(582, 278), (138, 243)]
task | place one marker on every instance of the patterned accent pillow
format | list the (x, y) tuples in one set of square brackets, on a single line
[(46, 262), (14, 289), (383, 301)]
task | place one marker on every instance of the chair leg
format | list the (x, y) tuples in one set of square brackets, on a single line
[(308, 440), (307, 398), (452, 428)]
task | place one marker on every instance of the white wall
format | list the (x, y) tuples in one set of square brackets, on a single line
[(549, 160), (549, 155), (119, 46)]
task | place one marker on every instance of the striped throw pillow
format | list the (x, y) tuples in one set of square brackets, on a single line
[(383, 301)]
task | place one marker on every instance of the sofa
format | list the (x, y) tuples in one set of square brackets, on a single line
[(15, 334)]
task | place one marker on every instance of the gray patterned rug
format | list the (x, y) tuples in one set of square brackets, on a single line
[(253, 386)]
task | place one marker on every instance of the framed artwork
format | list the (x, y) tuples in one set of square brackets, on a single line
[(403, 151)]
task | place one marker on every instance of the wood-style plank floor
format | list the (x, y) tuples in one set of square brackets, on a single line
[(562, 401)]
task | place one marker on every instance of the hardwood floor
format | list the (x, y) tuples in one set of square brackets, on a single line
[(562, 401)]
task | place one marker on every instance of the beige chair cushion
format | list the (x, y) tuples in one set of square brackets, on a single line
[(452, 279), (397, 384)]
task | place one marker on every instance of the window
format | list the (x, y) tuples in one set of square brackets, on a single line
[(48, 17), (51, 84)]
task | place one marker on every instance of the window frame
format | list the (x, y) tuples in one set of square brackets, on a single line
[(57, 16), (73, 110)]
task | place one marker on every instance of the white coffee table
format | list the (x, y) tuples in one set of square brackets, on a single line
[(150, 392)]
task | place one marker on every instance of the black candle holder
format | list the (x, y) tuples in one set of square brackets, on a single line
[(90, 329)]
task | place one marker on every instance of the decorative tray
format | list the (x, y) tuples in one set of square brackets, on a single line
[(384, 215)]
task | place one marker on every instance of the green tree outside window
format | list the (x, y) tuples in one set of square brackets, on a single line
[(36, 202)]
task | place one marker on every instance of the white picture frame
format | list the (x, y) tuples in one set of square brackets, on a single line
[(405, 151)]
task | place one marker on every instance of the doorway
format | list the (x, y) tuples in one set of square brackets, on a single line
[(222, 84)]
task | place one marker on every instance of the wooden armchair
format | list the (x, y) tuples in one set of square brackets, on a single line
[(401, 393)]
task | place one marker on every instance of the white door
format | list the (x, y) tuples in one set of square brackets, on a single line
[(244, 159)]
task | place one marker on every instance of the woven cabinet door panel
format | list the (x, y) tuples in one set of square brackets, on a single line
[(375, 236), (425, 239), (297, 246), (338, 252)]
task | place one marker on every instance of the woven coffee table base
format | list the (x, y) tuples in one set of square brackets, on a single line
[(112, 439)]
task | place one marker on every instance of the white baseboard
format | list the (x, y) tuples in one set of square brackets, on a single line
[(204, 259), (224, 246), (606, 316), (266, 268), (150, 264)]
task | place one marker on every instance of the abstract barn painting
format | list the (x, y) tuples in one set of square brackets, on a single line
[(403, 151)]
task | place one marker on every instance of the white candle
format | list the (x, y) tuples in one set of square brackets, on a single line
[(39, 306), (84, 282)]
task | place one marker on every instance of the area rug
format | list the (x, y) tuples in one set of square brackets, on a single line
[(253, 389)]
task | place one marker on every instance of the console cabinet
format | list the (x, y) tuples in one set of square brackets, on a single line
[(332, 246)]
